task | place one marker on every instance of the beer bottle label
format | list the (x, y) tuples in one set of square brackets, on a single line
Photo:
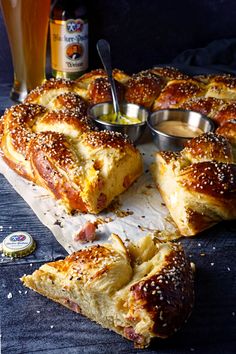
[(69, 45)]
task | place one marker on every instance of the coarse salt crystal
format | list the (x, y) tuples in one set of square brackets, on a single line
[(9, 296)]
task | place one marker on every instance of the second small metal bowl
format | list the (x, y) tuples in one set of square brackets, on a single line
[(134, 131), (169, 142)]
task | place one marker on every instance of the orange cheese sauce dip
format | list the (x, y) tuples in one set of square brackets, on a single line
[(178, 128)]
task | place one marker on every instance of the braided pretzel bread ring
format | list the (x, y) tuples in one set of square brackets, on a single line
[(83, 168)]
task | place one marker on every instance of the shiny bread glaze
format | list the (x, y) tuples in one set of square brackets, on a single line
[(208, 146), (58, 147), (47, 86), (226, 112), (162, 293), (71, 101), (143, 88), (204, 105), (212, 178), (222, 86), (99, 90), (62, 107), (176, 92), (169, 73), (228, 130), (198, 184)]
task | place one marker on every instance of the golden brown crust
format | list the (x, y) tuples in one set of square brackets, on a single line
[(176, 92), (208, 146), (18, 121), (56, 147), (156, 88), (70, 101), (89, 264), (170, 156), (107, 139), (204, 105), (143, 88), (19, 168), (99, 90), (198, 184), (50, 153), (89, 77), (120, 76), (75, 119), (228, 130), (17, 134), (163, 293), (48, 85), (206, 79), (92, 87), (1, 126), (169, 73), (138, 296), (222, 86), (211, 178), (226, 112), (62, 151)]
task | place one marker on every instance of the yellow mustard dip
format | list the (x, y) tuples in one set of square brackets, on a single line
[(122, 119)]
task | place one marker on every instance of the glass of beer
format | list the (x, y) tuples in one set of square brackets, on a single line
[(27, 26)]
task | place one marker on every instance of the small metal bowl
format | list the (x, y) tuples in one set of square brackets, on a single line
[(134, 131), (169, 142)]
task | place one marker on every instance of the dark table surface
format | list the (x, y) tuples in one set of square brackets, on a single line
[(31, 323)]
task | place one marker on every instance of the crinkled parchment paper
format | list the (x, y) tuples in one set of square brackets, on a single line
[(138, 211)]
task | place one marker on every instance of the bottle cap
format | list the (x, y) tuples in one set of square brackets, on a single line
[(18, 244)]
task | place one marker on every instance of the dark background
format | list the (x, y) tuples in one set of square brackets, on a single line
[(144, 33)]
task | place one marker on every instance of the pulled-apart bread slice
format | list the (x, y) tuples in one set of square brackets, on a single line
[(140, 291), (198, 184)]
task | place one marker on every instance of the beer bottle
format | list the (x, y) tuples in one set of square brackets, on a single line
[(69, 38)]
